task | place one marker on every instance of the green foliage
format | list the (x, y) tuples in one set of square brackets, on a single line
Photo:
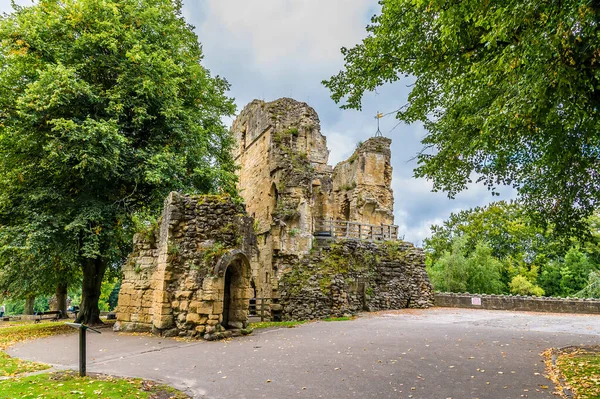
[(217, 250), (105, 108), (286, 209), (173, 249), (541, 261), (592, 290), (505, 226), (478, 272), (146, 224), (520, 285), (11, 366), (508, 92), (15, 306), (293, 232), (107, 288), (348, 187), (285, 137)]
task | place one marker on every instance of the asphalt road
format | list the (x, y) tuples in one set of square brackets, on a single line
[(436, 353)]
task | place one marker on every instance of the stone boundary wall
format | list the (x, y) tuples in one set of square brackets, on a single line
[(517, 302)]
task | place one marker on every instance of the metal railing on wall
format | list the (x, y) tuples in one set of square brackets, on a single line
[(354, 230)]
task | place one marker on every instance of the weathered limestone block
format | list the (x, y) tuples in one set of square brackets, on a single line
[(217, 307), (193, 318), (205, 307)]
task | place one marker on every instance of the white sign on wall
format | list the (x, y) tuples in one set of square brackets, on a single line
[(476, 301)]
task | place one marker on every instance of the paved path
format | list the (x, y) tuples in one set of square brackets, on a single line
[(436, 353)]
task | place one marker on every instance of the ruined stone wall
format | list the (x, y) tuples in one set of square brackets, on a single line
[(288, 186), (175, 279), (362, 185), (282, 154), (351, 276), (194, 273)]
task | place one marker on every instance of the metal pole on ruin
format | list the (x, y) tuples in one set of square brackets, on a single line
[(82, 348), (378, 117)]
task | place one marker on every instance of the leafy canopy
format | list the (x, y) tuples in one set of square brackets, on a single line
[(509, 92), (104, 109), (530, 260)]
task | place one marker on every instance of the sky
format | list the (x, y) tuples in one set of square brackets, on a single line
[(268, 49)]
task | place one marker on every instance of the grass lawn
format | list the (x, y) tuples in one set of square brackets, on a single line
[(293, 323), (10, 335), (69, 385), (578, 370), (64, 384), (269, 324), (10, 366), (343, 318)]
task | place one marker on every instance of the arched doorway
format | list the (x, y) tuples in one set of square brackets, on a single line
[(234, 268)]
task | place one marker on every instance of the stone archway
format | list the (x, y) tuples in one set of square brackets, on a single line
[(234, 270)]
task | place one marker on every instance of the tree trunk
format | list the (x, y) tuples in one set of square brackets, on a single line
[(93, 273), (61, 299), (29, 302)]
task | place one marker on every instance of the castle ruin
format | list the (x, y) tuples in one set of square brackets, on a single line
[(313, 240)]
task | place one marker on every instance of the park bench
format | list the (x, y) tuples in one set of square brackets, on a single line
[(10, 318), (53, 315)]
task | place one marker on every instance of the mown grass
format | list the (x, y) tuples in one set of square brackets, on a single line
[(10, 335), (581, 371), (343, 318), (269, 324), (17, 333), (69, 385), (293, 323), (10, 366), (64, 384)]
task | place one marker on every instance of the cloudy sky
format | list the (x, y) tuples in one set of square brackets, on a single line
[(269, 49)]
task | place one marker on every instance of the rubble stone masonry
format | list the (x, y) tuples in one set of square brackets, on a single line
[(194, 272)]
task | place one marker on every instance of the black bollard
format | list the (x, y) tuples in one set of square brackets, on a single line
[(82, 348), (82, 352)]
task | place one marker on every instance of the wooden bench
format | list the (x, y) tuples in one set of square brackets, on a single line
[(10, 318), (53, 315)]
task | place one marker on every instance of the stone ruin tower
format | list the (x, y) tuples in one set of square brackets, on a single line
[(313, 240), (296, 198)]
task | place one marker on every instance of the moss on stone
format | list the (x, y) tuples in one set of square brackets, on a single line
[(214, 252), (286, 209), (394, 251)]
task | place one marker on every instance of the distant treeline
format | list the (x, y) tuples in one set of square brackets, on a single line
[(500, 249)]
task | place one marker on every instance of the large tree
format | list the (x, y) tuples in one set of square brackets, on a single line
[(104, 109), (508, 91), (529, 255)]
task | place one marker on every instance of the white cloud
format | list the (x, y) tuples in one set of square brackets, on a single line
[(283, 34)]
